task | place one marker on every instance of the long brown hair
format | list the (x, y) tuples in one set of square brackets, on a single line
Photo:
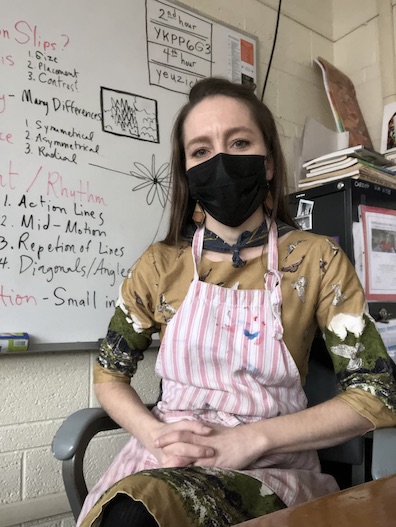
[(182, 205)]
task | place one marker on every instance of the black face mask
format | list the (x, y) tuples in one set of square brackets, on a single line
[(229, 187)]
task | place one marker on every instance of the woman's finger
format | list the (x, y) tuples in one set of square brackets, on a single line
[(186, 431), (187, 449)]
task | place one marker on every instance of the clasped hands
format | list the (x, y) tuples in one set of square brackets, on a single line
[(187, 443)]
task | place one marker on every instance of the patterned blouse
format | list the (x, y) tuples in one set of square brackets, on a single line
[(319, 289)]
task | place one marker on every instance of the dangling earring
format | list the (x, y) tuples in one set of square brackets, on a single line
[(269, 202), (199, 215)]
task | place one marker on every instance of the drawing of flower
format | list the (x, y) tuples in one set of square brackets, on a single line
[(157, 181)]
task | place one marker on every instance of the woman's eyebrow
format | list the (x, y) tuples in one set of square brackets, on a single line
[(199, 139)]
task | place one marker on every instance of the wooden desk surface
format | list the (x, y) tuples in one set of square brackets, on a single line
[(372, 504)]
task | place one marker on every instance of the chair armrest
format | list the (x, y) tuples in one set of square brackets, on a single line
[(69, 446), (78, 429), (384, 452)]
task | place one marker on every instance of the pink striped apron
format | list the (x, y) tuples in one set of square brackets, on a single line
[(223, 360)]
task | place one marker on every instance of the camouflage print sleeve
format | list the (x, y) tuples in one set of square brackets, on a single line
[(132, 325), (360, 358)]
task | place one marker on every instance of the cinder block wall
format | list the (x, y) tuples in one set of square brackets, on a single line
[(39, 391)]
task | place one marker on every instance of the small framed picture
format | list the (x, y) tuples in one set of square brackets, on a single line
[(304, 222), (304, 207), (304, 214)]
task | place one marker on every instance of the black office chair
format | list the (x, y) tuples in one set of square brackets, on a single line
[(347, 462), (350, 459)]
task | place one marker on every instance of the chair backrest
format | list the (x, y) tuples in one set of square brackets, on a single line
[(320, 386)]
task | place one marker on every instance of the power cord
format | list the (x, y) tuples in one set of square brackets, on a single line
[(273, 49)]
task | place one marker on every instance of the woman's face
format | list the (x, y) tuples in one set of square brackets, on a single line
[(221, 124)]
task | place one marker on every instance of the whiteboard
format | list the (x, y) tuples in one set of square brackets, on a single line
[(88, 94)]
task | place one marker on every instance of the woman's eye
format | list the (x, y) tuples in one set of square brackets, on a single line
[(199, 153), (241, 143)]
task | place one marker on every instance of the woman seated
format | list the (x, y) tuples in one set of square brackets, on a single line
[(236, 293)]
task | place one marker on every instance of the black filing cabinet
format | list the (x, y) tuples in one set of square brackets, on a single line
[(336, 207)]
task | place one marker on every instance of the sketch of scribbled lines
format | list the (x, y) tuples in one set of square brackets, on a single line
[(129, 115)]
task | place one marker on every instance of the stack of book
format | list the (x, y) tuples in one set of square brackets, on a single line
[(391, 154), (356, 162)]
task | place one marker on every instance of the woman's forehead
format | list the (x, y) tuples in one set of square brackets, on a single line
[(220, 111)]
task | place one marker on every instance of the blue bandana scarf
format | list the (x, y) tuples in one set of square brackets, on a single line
[(259, 236)]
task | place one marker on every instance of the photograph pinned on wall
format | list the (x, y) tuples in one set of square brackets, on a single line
[(304, 214)]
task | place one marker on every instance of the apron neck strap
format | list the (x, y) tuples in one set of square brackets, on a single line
[(272, 262), (197, 246)]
